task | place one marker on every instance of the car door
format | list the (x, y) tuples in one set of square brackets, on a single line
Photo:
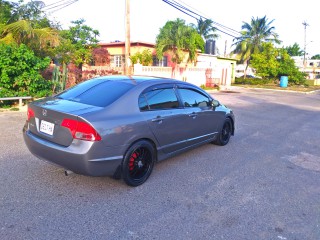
[(161, 109), (200, 117)]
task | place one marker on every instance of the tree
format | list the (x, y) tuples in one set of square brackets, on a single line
[(20, 72), (76, 47), (177, 37), (274, 62), (77, 44), (316, 57), (253, 34), (101, 56), (205, 29), (265, 63), (23, 32), (288, 68), (5, 11), (27, 24), (294, 50), (145, 58)]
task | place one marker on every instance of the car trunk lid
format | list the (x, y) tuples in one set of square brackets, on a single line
[(47, 117)]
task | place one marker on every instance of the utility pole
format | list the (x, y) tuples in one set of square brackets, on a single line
[(127, 41), (305, 24)]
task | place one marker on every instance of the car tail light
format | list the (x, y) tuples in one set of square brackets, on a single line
[(81, 130), (30, 114)]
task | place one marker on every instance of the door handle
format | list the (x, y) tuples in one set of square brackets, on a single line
[(157, 119), (193, 115)]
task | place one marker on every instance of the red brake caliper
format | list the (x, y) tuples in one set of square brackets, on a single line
[(131, 161)]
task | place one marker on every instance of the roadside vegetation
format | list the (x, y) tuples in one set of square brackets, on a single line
[(253, 35), (39, 58), (30, 41), (175, 37), (270, 84)]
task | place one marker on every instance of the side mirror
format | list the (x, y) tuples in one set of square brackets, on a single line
[(215, 103)]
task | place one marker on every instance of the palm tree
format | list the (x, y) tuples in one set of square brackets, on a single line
[(252, 37), (176, 37), (205, 29), (23, 32), (27, 25), (5, 11)]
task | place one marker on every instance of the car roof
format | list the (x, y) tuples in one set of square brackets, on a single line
[(136, 80)]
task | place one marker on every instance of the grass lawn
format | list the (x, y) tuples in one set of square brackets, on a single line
[(299, 88)]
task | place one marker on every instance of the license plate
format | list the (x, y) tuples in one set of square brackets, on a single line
[(46, 127)]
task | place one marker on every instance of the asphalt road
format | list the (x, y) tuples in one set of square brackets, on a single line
[(265, 184)]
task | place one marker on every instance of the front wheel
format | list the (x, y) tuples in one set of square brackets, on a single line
[(138, 163), (225, 133)]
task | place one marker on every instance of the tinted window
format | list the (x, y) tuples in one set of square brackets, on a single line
[(192, 98), (159, 99), (78, 89), (96, 92), (143, 104)]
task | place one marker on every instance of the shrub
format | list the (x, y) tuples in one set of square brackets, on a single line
[(252, 81), (144, 58), (274, 62), (20, 72)]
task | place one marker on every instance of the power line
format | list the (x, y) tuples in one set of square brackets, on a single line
[(173, 5), (193, 13), (53, 3), (54, 7), (64, 6), (216, 23), (202, 15)]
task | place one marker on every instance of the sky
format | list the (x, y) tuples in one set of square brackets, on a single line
[(148, 16)]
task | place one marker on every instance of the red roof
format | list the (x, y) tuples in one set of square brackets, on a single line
[(111, 44)]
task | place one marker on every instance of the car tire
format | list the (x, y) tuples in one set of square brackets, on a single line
[(225, 133), (138, 163)]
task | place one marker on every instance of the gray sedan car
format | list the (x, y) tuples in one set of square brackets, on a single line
[(120, 126)]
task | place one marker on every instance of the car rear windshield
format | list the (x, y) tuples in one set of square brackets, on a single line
[(97, 92)]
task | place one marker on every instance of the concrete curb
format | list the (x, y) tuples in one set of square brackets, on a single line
[(268, 89)]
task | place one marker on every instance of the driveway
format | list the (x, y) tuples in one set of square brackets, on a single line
[(265, 184)]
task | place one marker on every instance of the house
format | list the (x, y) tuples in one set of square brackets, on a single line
[(222, 69), (117, 53), (208, 70), (309, 66)]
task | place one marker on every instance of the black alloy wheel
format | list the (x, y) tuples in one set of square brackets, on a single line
[(138, 163), (225, 133)]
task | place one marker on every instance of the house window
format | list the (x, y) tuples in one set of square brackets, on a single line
[(118, 61), (160, 63)]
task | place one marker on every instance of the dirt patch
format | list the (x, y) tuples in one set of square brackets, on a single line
[(306, 160), (229, 91)]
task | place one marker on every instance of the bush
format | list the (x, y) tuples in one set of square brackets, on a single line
[(252, 81), (20, 72), (273, 62), (204, 87), (144, 58)]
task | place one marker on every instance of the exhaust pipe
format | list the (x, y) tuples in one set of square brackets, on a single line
[(67, 172)]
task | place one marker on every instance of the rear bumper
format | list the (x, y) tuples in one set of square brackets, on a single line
[(82, 157)]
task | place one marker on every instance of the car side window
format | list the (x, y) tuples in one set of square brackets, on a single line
[(164, 98), (143, 104), (192, 98)]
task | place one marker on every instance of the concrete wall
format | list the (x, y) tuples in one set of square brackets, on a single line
[(209, 77)]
